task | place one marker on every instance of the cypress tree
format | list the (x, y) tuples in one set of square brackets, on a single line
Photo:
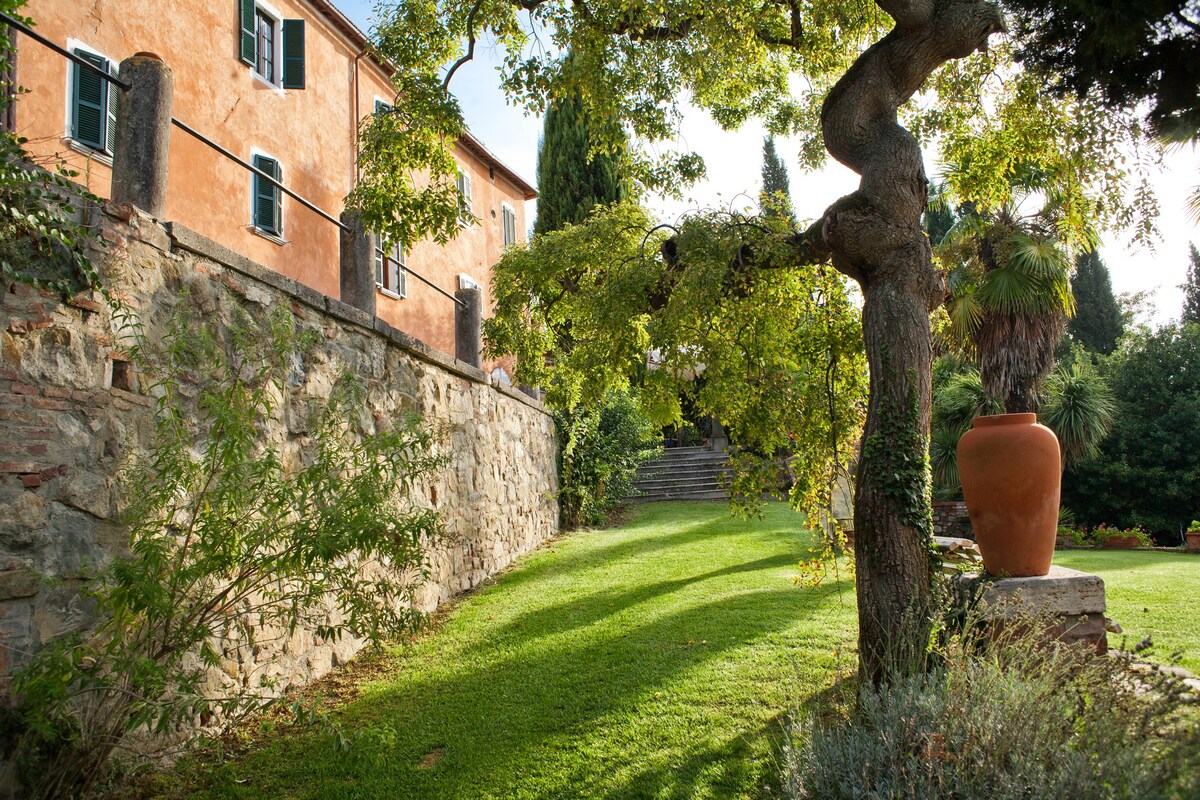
[(776, 197), (1097, 324), (1191, 289), (569, 185)]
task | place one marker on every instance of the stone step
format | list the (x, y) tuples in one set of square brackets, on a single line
[(685, 463), (678, 482), (705, 470), (715, 494)]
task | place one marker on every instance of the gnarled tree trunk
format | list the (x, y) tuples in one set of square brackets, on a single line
[(875, 237)]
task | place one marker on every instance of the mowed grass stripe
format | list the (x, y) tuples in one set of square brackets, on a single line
[(653, 660)]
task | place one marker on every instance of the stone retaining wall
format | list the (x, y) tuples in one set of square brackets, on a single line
[(70, 411), (950, 518)]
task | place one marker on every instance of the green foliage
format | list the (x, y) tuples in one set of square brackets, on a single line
[(233, 543), (573, 179), (1009, 278), (986, 114), (1191, 288), (776, 196), (958, 399), (1103, 532), (1148, 468), (44, 238), (1078, 407), (899, 454), (1004, 720), (1097, 323), (634, 66), (1127, 53), (599, 451), (779, 348)]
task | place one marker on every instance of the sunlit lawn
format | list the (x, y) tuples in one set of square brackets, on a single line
[(655, 660), (1150, 593)]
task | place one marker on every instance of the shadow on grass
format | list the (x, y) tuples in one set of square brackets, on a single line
[(540, 719), (628, 545)]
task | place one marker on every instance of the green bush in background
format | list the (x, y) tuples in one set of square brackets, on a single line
[(600, 450)]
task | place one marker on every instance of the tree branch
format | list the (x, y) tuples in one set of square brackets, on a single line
[(470, 54), (639, 33), (907, 13), (796, 34)]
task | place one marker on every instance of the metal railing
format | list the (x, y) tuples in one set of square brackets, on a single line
[(125, 86)]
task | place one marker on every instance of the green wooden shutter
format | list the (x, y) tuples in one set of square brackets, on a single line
[(113, 92), (266, 196), (89, 124), (246, 35), (293, 54)]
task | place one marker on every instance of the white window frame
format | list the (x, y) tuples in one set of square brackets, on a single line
[(463, 183), (506, 210), (398, 254), (102, 156), (276, 44), (274, 237)]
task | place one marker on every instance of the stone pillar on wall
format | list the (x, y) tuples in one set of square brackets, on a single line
[(468, 326), (357, 256), (143, 134)]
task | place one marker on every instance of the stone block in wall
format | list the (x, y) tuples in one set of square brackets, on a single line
[(66, 428)]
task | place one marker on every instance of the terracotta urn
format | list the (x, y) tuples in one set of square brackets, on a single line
[(1011, 470), (1193, 541)]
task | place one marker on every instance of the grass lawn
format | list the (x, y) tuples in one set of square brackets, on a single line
[(655, 660), (1150, 593)]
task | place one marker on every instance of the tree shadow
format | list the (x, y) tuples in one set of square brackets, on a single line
[(500, 724), (632, 546)]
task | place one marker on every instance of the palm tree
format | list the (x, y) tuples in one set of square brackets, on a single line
[(1010, 284)]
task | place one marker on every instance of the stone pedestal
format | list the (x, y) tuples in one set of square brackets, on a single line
[(1075, 599)]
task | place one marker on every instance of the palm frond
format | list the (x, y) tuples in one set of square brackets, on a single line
[(1079, 409), (1037, 256), (1009, 291), (943, 458), (965, 312)]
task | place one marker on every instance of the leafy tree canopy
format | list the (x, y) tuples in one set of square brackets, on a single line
[(1149, 466), (781, 357), (1128, 52), (634, 65), (745, 297)]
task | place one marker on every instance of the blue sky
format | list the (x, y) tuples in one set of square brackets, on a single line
[(734, 162)]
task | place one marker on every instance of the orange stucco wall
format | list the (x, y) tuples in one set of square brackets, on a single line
[(311, 132), (472, 253)]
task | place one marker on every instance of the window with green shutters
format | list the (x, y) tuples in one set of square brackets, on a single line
[(93, 103), (463, 182), (268, 210), (508, 217), (273, 47), (293, 54)]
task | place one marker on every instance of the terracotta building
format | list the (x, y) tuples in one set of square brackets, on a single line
[(282, 84)]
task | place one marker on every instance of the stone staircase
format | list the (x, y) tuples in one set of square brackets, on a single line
[(683, 473)]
